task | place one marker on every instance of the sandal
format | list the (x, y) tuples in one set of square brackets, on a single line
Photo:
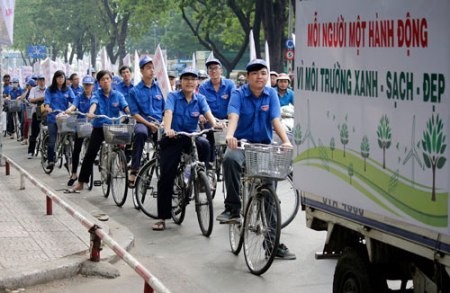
[(71, 181), (159, 226), (132, 178), (71, 190)]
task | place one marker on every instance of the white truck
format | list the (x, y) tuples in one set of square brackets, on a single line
[(371, 130)]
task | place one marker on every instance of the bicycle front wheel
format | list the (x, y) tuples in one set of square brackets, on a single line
[(262, 226), (119, 177), (289, 200), (68, 151), (179, 199), (235, 236), (203, 203), (146, 190)]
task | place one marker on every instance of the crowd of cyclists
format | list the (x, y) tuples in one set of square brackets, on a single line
[(198, 99)]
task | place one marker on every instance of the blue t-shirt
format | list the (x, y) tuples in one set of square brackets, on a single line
[(218, 101), (185, 116), (6, 89), (77, 90), (287, 98), (15, 92), (255, 114), (147, 101), (83, 103), (57, 100), (109, 106), (124, 89)]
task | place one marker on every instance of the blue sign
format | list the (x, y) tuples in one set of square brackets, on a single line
[(37, 51), (290, 44)]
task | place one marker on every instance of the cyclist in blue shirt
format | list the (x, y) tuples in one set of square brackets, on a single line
[(181, 113), (15, 92), (285, 94), (125, 85), (82, 103), (75, 84), (252, 112), (104, 101), (217, 91), (57, 97), (145, 99)]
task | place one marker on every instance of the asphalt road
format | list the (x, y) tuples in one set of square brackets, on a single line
[(183, 259)]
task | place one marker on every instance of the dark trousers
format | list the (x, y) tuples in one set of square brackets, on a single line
[(170, 154), (95, 143), (35, 128), (76, 153)]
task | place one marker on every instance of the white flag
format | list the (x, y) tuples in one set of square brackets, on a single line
[(266, 50), (127, 60), (194, 63), (7, 10), (137, 73), (252, 46), (161, 72), (210, 57)]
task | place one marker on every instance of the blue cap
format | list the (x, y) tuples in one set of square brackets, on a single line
[(256, 64), (88, 79), (15, 80), (144, 60), (31, 83), (40, 76), (189, 71), (212, 61)]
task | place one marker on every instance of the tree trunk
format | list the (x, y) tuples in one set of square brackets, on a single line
[(433, 191)]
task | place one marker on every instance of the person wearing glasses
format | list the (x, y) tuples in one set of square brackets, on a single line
[(181, 113), (217, 91)]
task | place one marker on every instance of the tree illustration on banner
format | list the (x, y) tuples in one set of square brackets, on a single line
[(433, 145), (384, 136), (351, 172), (344, 135), (365, 148), (332, 146)]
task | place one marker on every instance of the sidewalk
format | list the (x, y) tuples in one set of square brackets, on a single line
[(36, 248)]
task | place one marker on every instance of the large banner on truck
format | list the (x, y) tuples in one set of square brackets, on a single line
[(372, 109)]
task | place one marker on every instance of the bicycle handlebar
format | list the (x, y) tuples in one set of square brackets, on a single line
[(99, 116), (194, 134)]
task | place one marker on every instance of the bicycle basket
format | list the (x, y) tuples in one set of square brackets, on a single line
[(220, 136), (13, 106), (267, 161), (84, 128), (118, 133), (66, 123)]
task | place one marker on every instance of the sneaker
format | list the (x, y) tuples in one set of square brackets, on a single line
[(30, 156), (228, 216), (50, 165), (212, 179), (284, 253)]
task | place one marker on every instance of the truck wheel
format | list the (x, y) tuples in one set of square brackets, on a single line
[(354, 274)]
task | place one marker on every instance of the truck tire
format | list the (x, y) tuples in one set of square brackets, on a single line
[(355, 274)]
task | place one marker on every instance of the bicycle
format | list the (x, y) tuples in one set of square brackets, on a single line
[(259, 232), (64, 143), (144, 182), (13, 108), (197, 182), (84, 130), (112, 161)]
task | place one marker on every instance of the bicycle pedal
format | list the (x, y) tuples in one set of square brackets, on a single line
[(97, 183)]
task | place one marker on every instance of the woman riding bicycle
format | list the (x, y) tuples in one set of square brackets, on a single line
[(105, 101), (252, 112), (82, 104), (57, 99), (182, 111)]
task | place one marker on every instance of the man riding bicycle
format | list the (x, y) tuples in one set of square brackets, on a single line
[(252, 112)]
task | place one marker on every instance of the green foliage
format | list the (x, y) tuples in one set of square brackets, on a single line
[(384, 133), (433, 143), (298, 134)]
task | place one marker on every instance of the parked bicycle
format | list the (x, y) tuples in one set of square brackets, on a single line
[(258, 231)]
